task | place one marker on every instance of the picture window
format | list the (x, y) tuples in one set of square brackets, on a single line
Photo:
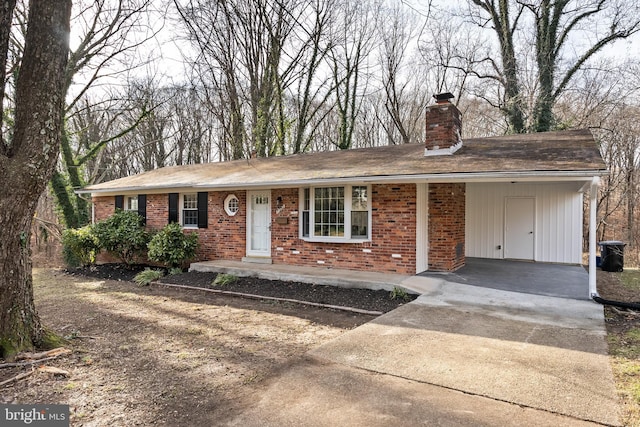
[(335, 213)]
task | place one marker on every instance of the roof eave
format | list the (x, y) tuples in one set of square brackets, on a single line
[(505, 176)]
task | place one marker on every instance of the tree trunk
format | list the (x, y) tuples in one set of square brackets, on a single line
[(27, 161)]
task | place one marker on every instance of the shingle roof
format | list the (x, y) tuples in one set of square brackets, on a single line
[(565, 152)]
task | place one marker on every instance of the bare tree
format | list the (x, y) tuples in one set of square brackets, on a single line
[(28, 154), (403, 80), (241, 60), (111, 33), (353, 38), (310, 93), (552, 27), (620, 146)]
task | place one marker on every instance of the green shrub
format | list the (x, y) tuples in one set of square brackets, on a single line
[(123, 235), (80, 246), (147, 276), (224, 279), (172, 247), (399, 294), (175, 270)]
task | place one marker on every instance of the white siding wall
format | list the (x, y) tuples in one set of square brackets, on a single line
[(558, 220)]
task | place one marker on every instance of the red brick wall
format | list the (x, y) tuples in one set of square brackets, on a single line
[(103, 207), (392, 248), (157, 211), (446, 226), (224, 237)]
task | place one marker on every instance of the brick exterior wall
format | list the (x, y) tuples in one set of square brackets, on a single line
[(227, 235), (103, 207), (446, 226), (224, 238), (392, 248)]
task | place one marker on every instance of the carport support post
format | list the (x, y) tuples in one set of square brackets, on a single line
[(593, 207)]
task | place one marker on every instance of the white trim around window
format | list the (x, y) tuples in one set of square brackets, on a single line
[(231, 204), (131, 203), (189, 210), (335, 214)]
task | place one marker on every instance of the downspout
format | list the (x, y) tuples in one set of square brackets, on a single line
[(593, 291)]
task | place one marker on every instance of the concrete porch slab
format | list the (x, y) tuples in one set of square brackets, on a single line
[(556, 280)]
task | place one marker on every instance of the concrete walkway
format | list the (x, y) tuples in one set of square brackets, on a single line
[(458, 355)]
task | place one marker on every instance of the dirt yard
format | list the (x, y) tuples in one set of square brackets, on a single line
[(153, 356), (162, 356)]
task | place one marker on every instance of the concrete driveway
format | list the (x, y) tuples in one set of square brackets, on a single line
[(459, 355)]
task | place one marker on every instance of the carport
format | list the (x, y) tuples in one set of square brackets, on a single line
[(557, 280)]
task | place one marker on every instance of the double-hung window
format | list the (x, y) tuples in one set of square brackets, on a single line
[(340, 213), (131, 203), (136, 203), (190, 210)]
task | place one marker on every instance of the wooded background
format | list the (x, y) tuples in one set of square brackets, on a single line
[(158, 83)]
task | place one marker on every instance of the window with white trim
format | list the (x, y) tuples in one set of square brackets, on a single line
[(190, 210), (131, 203), (231, 204), (340, 213)]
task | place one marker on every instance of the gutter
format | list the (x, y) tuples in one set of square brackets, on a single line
[(529, 176)]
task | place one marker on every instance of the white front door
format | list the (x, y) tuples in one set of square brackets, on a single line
[(259, 224), (519, 228)]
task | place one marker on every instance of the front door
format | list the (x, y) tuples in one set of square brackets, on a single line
[(259, 224), (519, 228)]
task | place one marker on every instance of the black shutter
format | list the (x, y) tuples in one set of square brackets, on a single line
[(203, 199), (119, 202), (142, 207), (173, 207)]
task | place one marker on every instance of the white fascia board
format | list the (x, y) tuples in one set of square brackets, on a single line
[(155, 189), (595, 181), (532, 176), (586, 176)]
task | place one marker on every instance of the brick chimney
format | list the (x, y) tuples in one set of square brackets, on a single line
[(444, 127)]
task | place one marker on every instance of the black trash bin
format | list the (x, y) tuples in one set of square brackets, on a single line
[(612, 255)]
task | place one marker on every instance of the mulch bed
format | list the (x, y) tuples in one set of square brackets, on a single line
[(364, 299)]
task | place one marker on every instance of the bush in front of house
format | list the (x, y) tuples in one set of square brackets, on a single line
[(144, 278), (80, 246), (123, 235), (172, 247)]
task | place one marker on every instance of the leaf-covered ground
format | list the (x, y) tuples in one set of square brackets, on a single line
[(157, 356)]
